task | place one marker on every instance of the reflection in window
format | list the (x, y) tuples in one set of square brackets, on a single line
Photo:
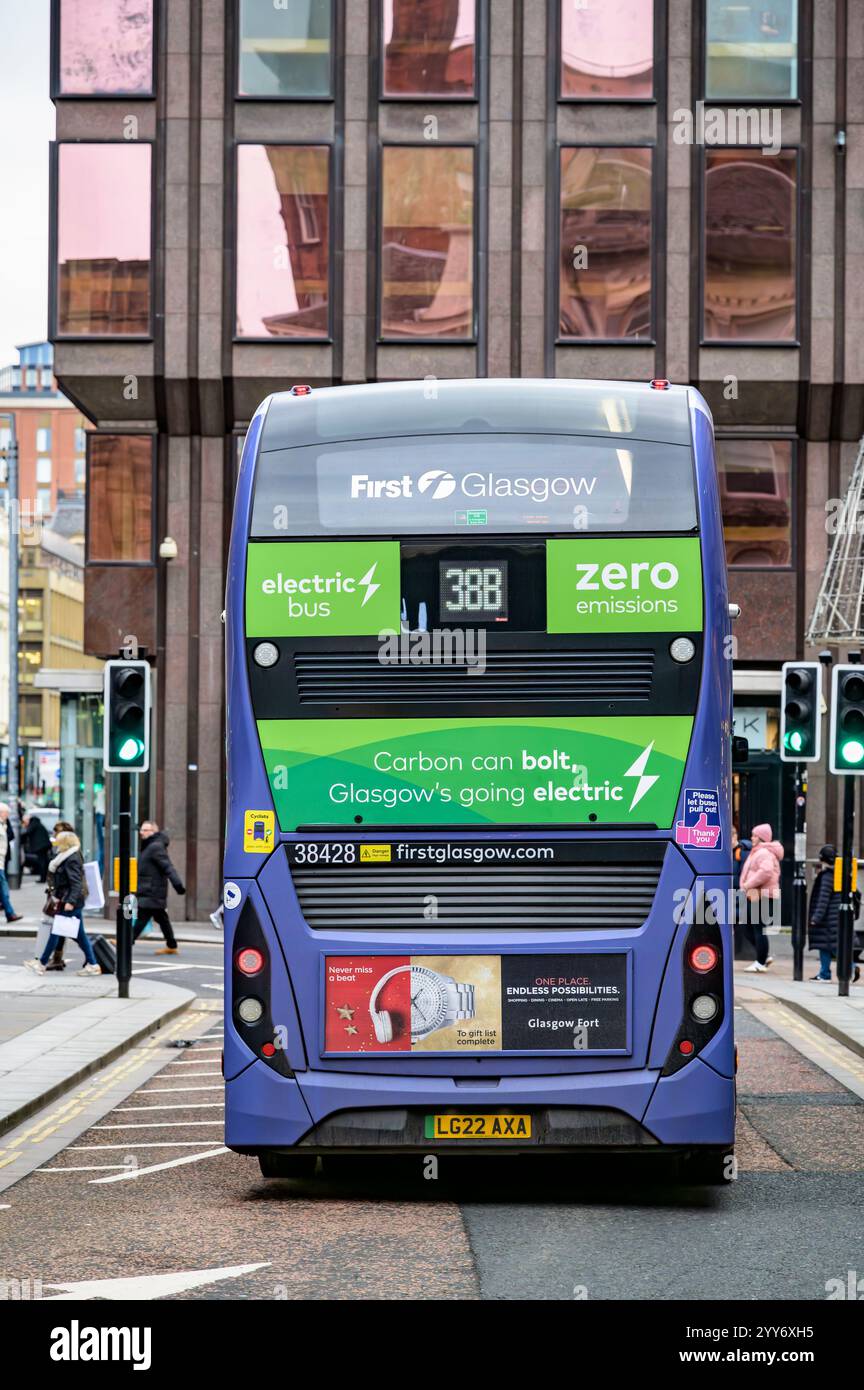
[(103, 239), (607, 50), (756, 498), (120, 499), (752, 50), (106, 47), (429, 47), (283, 229), (750, 245), (427, 242), (285, 48), (605, 255)]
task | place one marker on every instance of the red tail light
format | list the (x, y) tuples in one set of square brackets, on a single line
[(703, 958), (250, 961)]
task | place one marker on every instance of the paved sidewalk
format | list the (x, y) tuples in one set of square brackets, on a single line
[(28, 900), (55, 1031), (815, 1001)]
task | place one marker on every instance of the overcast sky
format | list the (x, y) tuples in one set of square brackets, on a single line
[(26, 126)]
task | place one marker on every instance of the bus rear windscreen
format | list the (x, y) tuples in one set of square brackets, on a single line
[(497, 484)]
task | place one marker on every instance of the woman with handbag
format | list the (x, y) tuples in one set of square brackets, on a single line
[(69, 891), (49, 907)]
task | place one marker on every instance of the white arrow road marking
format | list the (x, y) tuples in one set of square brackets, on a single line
[(149, 1286), (160, 1167), (221, 988)]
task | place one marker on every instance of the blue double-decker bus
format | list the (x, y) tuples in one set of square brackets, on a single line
[(478, 730)]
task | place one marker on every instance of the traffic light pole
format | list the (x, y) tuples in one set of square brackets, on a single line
[(846, 914), (124, 922), (799, 880)]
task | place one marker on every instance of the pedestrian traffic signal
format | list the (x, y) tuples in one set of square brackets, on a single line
[(847, 719), (126, 739), (801, 712)]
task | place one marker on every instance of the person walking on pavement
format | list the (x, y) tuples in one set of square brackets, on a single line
[(823, 916), (5, 832), (155, 871), (70, 892), (760, 880)]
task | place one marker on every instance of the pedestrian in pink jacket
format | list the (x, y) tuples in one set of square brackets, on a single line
[(760, 880)]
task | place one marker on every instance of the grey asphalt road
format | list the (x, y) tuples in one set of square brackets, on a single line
[(198, 1222)]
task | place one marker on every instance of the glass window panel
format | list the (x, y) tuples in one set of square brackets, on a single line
[(605, 253), (427, 242), (750, 245), (43, 440), (285, 49), (103, 239), (43, 499), (31, 376), (752, 50), (429, 47), (756, 498), (607, 49), (80, 439), (43, 470), (283, 234), (106, 47), (120, 498)]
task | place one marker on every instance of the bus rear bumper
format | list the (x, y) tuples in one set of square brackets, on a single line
[(328, 1111)]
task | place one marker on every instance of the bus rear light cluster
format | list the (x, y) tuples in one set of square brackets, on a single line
[(702, 981), (301, 390), (660, 384), (251, 1008), (250, 961)]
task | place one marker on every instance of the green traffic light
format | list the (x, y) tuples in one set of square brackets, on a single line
[(132, 748), (795, 740), (852, 752)]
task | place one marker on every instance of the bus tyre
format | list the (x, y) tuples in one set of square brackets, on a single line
[(279, 1165), (709, 1167)]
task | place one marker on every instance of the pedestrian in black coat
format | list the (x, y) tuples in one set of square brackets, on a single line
[(37, 845), (822, 913), (155, 872)]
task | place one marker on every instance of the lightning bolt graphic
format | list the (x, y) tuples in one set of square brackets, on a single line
[(367, 584), (646, 780)]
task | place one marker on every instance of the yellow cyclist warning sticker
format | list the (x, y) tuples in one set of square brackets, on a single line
[(375, 854), (259, 827)]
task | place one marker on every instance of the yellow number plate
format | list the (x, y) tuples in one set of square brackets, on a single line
[(478, 1126)]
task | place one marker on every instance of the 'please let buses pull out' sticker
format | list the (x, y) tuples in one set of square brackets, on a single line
[(259, 829)]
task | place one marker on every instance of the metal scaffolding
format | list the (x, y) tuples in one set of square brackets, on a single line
[(838, 613)]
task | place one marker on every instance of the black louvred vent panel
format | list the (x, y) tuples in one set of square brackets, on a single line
[(565, 896), (528, 676)]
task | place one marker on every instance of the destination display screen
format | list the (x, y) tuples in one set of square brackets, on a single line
[(473, 486)]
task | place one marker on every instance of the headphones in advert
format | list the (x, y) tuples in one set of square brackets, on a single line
[(382, 1023)]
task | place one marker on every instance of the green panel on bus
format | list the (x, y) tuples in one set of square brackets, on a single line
[(322, 589), (595, 771), (623, 585)]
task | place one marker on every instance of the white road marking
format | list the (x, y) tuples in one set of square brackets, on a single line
[(185, 1105), (157, 969), (219, 987), (175, 1090), (150, 1144), (93, 1168), (148, 1286), (160, 1167), (161, 1124), (191, 1075)]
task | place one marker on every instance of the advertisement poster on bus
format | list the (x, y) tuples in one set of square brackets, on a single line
[(551, 771), (476, 1004)]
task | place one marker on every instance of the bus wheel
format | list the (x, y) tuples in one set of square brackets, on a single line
[(279, 1165), (709, 1167)]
